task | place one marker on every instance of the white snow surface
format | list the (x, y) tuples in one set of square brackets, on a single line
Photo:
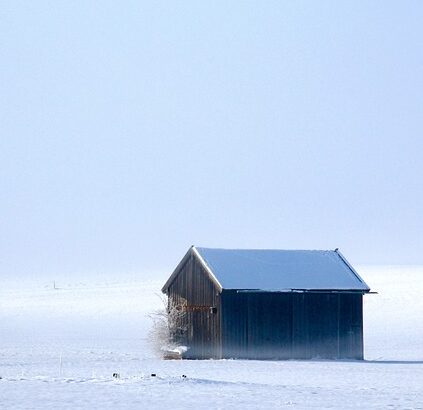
[(60, 347)]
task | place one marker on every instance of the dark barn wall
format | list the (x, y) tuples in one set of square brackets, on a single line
[(260, 325), (196, 295)]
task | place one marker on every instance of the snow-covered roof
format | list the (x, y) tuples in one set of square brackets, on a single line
[(278, 270)]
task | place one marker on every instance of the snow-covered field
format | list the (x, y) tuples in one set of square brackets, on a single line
[(60, 347)]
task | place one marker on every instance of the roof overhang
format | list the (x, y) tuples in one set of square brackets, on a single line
[(361, 292)]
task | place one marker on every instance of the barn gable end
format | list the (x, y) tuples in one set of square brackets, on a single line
[(195, 295)]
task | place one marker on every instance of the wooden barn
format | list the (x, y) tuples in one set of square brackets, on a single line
[(267, 304)]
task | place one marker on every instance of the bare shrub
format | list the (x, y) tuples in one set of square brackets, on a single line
[(168, 329)]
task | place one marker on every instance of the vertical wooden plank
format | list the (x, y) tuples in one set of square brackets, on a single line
[(346, 339), (301, 330), (234, 324), (357, 326)]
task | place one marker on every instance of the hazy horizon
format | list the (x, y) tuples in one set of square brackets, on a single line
[(132, 130)]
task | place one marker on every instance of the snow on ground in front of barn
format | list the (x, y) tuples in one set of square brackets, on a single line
[(60, 347)]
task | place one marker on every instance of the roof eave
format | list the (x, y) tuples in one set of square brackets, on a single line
[(362, 291)]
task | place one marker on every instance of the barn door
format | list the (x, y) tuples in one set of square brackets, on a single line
[(269, 326)]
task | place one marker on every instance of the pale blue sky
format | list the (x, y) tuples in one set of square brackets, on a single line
[(131, 130)]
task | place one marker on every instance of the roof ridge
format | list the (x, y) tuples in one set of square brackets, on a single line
[(266, 249)]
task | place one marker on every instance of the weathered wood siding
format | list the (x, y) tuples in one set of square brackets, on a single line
[(261, 325), (194, 293)]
